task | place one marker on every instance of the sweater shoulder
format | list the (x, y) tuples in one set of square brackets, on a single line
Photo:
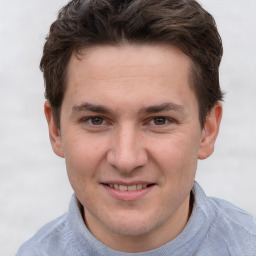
[(232, 215), (48, 236), (233, 228)]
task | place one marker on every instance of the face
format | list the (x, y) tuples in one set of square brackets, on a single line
[(131, 137)]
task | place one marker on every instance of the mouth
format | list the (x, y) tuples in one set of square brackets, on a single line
[(128, 192), (133, 187)]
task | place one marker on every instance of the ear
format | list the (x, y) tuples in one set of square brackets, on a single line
[(210, 131), (54, 131)]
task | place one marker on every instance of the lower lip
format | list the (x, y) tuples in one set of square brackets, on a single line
[(128, 195)]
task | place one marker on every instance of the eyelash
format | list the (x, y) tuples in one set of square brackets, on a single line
[(151, 121), (165, 119), (90, 120)]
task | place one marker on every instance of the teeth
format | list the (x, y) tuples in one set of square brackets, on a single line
[(128, 188), (122, 188), (131, 188), (140, 186)]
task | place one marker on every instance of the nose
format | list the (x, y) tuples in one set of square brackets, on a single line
[(127, 151)]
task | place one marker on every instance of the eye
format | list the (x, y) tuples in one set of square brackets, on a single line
[(94, 120), (159, 120)]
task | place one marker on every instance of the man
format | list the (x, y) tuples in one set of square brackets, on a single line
[(133, 101)]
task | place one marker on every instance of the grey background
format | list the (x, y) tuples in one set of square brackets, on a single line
[(33, 183)]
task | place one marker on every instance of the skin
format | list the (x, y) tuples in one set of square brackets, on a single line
[(129, 116)]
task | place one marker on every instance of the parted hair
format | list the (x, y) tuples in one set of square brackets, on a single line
[(180, 23)]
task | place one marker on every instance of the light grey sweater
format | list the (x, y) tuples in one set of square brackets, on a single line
[(215, 228)]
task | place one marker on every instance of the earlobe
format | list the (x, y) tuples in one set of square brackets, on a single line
[(54, 132), (210, 132)]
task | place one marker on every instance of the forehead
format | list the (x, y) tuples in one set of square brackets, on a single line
[(124, 60), (130, 72)]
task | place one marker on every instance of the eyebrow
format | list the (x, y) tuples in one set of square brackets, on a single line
[(147, 110), (91, 107), (162, 107)]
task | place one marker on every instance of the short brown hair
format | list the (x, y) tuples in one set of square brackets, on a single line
[(182, 23)]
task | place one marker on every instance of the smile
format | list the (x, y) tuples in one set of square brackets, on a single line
[(127, 188), (128, 192)]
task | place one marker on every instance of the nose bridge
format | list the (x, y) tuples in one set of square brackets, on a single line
[(127, 151)]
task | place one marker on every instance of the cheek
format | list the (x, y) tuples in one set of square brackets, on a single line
[(177, 156), (83, 157), (81, 171)]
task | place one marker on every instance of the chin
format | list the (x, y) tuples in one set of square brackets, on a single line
[(131, 225), (130, 230)]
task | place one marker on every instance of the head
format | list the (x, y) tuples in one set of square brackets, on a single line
[(180, 23), (133, 103)]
